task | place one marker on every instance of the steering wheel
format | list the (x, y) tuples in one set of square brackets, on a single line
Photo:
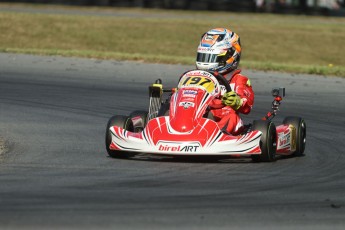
[(221, 79)]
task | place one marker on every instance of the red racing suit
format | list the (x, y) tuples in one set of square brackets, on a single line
[(227, 118)]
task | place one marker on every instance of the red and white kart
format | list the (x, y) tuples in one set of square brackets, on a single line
[(183, 125)]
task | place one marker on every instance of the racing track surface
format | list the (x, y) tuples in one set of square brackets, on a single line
[(56, 173)]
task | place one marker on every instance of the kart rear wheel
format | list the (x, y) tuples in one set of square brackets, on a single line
[(268, 141), (301, 133), (139, 119), (124, 122)]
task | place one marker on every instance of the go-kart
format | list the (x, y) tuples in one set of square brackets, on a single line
[(181, 124)]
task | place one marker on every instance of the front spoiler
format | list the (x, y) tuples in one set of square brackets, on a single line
[(218, 144)]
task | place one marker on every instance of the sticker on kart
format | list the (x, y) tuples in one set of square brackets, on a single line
[(186, 104), (189, 147), (200, 81)]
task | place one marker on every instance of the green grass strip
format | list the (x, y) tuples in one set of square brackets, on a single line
[(297, 44)]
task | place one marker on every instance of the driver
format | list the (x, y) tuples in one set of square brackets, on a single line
[(219, 51)]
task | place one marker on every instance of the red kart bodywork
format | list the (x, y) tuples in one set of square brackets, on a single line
[(286, 139)]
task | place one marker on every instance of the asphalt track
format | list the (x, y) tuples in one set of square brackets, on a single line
[(55, 172)]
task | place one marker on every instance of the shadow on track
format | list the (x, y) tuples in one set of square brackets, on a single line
[(201, 159)]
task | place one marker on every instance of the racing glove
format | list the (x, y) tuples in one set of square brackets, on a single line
[(232, 99)]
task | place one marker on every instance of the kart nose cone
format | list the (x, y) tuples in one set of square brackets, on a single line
[(182, 126)]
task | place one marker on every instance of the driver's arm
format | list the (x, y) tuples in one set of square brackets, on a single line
[(242, 98), (245, 92), (216, 104)]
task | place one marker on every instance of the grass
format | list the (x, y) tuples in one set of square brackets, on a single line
[(300, 44)]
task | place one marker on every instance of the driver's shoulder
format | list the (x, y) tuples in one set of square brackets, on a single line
[(238, 77)]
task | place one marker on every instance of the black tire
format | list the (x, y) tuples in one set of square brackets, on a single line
[(268, 141), (123, 122), (301, 133), (139, 124)]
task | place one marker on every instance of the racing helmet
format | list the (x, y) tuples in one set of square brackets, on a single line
[(219, 50)]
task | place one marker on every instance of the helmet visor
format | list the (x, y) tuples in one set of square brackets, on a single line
[(208, 58)]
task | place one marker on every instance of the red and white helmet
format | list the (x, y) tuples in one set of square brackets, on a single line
[(219, 50)]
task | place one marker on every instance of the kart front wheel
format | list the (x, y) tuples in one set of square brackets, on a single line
[(124, 122), (268, 141), (301, 133), (139, 119)]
